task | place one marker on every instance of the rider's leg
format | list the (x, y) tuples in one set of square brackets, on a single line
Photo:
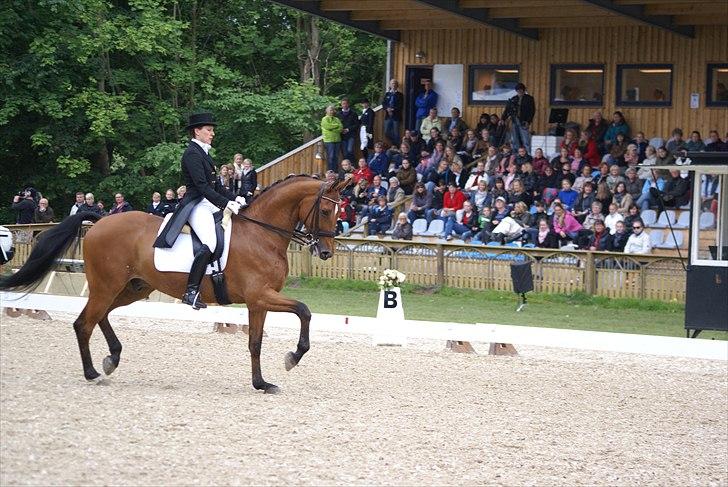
[(203, 223)]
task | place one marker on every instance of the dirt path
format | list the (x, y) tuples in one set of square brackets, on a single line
[(180, 410)]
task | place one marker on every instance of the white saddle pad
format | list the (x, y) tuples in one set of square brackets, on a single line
[(179, 258)]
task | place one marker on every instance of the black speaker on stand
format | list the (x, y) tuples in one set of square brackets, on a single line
[(522, 277), (558, 116)]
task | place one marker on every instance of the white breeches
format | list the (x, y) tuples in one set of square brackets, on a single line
[(203, 223)]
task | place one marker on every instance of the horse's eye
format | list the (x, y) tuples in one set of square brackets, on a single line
[(326, 212)]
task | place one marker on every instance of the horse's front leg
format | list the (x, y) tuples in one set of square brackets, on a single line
[(256, 318), (275, 301)]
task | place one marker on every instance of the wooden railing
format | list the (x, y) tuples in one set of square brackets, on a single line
[(309, 158), (613, 275)]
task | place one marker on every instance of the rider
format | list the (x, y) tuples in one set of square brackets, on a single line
[(204, 197)]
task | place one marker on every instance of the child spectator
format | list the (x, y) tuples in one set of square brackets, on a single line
[(619, 239), (485, 221), (479, 197), (567, 196), (545, 238), (612, 218)]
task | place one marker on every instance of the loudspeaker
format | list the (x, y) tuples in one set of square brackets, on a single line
[(522, 277)]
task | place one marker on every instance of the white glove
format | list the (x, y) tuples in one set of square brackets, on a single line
[(242, 201), (233, 206)]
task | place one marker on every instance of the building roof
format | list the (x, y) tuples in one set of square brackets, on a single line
[(388, 18)]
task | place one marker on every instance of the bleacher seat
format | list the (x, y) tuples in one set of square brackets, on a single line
[(672, 243), (656, 238), (707, 220), (419, 226), (648, 217), (683, 221), (436, 227), (657, 142), (666, 218)]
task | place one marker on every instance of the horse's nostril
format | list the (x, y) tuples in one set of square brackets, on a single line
[(325, 254)]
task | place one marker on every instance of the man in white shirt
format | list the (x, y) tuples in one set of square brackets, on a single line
[(79, 203), (639, 241)]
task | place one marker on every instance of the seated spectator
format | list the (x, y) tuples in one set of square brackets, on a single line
[(360, 197), (594, 215), (600, 238), (569, 141), (492, 162), (378, 162), (156, 207), (497, 129), (43, 213), (428, 123), (641, 144), (563, 158), (695, 144), (585, 177), (521, 214), (421, 200), (566, 174), (331, 176), (346, 169), (452, 201), (619, 239), (539, 162), (407, 177), (521, 157), (618, 126), (545, 238), (402, 228), (455, 121), (639, 241), (530, 181), (435, 138), (676, 191), (714, 143), (539, 211), (169, 203), (417, 145), (511, 176), (363, 172), (476, 175), (374, 191), (664, 158), (24, 204), (614, 177), (483, 122), (397, 154), (513, 227), (564, 223), (519, 194), (347, 215), (655, 180), (650, 159), (617, 151), (479, 197), (100, 205), (597, 129), (120, 205), (548, 185), (395, 194), (498, 190), (463, 224), (603, 174), (441, 173), (676, 142), (632, 156), (632, 184), (500, 210), (633, 213), (380, 217), (578, 162), (78, 203), (604, 196), (612, 218), (621, 198), (458, 174), (436, 205), (567, 196), (588, 148), (470, 146), (181, 191)]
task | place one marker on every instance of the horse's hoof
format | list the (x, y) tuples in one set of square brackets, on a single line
[(98, 381), (109, 365), (290, 360), (13, 312), (271, 389)]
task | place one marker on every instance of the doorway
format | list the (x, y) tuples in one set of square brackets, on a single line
[(414, 77)]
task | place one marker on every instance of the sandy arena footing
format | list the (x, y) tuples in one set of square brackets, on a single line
[(180, 410)]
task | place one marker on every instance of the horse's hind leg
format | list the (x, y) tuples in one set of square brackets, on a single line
[(95, 310)]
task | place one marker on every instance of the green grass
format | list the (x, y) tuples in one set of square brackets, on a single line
[(575, 311)]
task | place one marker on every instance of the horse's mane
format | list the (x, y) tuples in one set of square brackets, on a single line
[(279, 182)]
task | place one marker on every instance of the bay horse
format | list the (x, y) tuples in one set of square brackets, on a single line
[(119, 263)]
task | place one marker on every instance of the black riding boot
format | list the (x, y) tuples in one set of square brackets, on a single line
[(197, 272)]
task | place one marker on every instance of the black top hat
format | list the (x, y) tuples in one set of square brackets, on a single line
[(200, 119)]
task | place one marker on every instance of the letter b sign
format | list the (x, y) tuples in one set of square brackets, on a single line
[(390, 299)]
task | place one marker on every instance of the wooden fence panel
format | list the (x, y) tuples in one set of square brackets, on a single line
[(418, 263)]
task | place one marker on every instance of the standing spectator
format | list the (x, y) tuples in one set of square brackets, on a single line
[(170, 202), (695, 144), (156, 207), (380, 218), (237, 171), (248, 179), (392, 103), (402, 229), (366, 128), (350, 123), (90, 205), (120, 205), (676, 142), (331, 129), (24, 204), (618, 126), (424, 102), (597, 129), (521, 110), (432, 121), (226, 177), (79, 202), (612, 218), (639, 241), (44, 213)]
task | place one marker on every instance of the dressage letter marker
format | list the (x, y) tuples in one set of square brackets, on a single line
[(390, 316)]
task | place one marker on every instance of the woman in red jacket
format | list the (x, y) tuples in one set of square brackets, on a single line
[(589, 149)]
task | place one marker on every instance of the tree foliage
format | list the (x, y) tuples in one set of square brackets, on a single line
[(95, 92)]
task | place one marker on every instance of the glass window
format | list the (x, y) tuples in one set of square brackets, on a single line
[(577, 84), (644, 85), (492, 84), (717, 89), (710, 231)]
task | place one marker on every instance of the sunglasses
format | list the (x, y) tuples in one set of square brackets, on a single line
[(637, 228)]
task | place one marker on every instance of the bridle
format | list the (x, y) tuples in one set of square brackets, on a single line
[(306, 239)]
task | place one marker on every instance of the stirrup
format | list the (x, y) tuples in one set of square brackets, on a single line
[(192, 298)]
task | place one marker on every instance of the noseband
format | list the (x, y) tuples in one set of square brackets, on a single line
[(306, 239)]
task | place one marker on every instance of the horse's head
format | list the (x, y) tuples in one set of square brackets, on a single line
[(320, 217)]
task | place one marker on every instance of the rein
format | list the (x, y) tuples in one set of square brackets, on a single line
[(306, 239)]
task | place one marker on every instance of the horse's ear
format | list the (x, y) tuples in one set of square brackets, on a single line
[(340, 184)]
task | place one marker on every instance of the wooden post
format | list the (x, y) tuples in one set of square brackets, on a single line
[(590, 277), (440, 265), (306, 265)]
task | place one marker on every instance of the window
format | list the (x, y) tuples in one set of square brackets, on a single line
[(717, 89), (577, 84), (644, 85), (492, 84)]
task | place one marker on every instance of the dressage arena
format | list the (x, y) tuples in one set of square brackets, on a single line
[(180, 410)]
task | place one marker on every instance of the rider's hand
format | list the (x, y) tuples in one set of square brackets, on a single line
[(233, 206), (242, 201)]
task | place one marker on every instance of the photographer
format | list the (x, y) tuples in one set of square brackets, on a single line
[(521, 110), (24, 204)]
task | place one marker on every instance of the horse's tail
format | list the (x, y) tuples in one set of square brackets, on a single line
[(51, 244)]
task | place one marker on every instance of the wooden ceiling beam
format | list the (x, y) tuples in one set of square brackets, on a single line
[(712, 19), (427, 25), (637, 12), (351, 5), (559, 23), (707, 8), (654, 2), (389, 15), (577, 11), (510, 3)]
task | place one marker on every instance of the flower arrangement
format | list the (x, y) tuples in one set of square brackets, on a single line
[(390, 278)]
